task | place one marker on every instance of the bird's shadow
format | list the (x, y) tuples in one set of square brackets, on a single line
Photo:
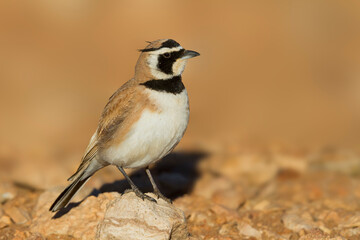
[(175, 175)]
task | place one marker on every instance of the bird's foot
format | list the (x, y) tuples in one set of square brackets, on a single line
[(160, 195), (140, 194)]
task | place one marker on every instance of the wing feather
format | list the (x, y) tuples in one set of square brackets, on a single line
[(122, 104)]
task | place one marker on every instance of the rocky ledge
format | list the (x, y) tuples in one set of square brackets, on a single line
[(226, 195), (110, 216)]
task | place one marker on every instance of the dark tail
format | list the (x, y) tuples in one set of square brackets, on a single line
[(65, 197)]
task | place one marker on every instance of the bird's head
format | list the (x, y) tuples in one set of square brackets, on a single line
[(162, 59)]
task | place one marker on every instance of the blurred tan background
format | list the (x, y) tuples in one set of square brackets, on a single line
[(270, 73)]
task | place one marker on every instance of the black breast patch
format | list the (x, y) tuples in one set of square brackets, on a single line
[(172, 85)]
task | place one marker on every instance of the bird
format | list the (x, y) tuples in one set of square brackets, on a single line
[(142, 122)]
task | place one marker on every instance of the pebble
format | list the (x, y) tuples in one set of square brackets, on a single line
[(296, 223), (4, 197), (18, 215), (247, 230), (4, 221)]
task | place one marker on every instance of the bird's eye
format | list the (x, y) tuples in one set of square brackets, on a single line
[(167, 55)]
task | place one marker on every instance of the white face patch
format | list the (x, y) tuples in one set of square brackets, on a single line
[(179, 66), (152, 61)]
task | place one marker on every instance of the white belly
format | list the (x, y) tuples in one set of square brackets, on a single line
[(155, 134)]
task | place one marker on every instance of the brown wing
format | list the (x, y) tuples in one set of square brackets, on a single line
[(90, 153), (123, 109)]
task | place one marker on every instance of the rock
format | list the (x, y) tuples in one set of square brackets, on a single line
[(351, 222), (206, 220), (336, 160), (298, 202), (4, 197), (78, 221), (7, 190), (248, 231), (296, 223), (18, 215), (350, 232), (108, 216), (5, 221), (315, 234), (221, 190), (230, 199), (20, 234), (131, 218)]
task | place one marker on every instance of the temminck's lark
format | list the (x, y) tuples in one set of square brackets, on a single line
[(142, 122)]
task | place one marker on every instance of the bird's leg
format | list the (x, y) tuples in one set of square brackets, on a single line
[(134, 188), (156, 189)]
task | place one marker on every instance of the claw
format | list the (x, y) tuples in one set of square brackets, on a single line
[(140, 195), (160, 195)]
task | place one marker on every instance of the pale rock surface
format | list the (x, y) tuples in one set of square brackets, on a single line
[(108, 216), (131, 218), (6, 196), (247, 230), (79, 222), (4, 221), (297, 223), (7, 191), (317, 234), (18, 215)]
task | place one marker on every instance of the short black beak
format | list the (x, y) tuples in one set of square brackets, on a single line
[(189, 54)]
